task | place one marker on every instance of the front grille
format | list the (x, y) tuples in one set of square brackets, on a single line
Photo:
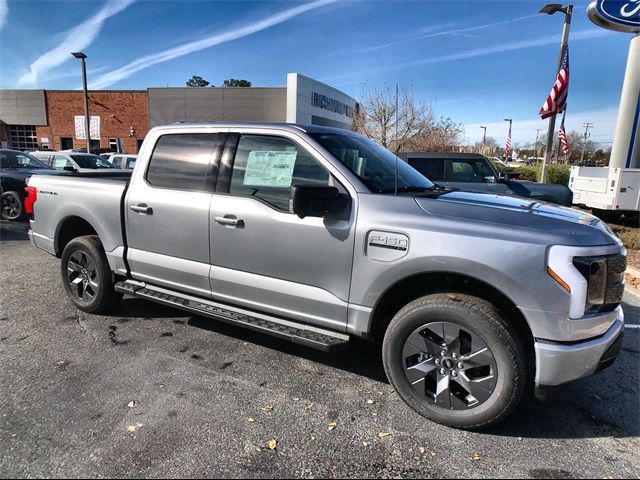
[(605, 279)]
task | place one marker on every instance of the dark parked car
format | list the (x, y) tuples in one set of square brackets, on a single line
[(15, 168), (472, 172)]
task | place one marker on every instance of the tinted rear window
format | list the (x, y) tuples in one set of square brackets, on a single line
[(432, 169), (182, 161)]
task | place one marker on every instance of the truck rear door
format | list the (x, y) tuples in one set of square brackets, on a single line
[(167, 209)]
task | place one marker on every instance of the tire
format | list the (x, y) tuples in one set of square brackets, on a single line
[(482, 388), (12, 206), (86, 275)]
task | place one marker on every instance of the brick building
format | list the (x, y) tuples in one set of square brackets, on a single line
[(54, 119), (40, 119)]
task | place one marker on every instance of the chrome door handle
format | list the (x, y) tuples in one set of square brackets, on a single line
[(229, 220), (142, 208)]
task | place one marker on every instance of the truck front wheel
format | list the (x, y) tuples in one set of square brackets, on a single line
[(86, 275), (454, 360)]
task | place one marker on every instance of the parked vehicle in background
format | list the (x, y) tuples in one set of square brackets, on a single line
[(472, 172), (15, 168), (72, 161), (317, 235), (123, 160), (610, 192)]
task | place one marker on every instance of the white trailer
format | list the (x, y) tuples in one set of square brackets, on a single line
[(608, 191)]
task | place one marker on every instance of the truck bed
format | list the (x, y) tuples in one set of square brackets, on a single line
[(95, 197)]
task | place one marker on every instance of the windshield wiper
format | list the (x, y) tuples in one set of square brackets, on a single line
[(407, 188)]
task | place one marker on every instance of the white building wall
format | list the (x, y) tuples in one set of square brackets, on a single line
[(301, 108)]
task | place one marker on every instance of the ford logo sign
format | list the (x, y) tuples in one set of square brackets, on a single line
[(620, 15)]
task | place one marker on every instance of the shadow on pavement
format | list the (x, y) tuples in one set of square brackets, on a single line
[(13, 231), (605, 405)]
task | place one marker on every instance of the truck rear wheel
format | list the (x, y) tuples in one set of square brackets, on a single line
[(454, 360), (86, 275)]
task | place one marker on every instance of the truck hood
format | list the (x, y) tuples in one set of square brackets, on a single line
[(521, 213)]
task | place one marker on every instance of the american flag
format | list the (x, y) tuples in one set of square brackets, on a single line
[(562, 136), (557, 99), (507, 147)]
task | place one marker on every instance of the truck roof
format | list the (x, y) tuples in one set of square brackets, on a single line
[(280, 125), (440, 155)]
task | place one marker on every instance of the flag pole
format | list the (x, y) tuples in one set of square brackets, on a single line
[(568, 11)]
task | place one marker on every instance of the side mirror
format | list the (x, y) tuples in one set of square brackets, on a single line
[(69, 169), (502, 177), (310, 201)]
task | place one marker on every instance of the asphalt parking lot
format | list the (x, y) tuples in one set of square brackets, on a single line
[(151, 392)]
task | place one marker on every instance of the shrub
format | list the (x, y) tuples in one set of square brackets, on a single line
[(558, 174), (629, 236)]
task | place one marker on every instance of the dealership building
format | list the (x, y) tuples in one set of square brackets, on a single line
[(54, 119)]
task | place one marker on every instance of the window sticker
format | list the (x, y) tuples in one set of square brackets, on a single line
[(270, 169)]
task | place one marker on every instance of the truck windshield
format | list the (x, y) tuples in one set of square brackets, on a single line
[(373, 164), (13, 159), (91, 161)]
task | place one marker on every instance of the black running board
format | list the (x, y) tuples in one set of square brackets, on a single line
[(314, 337)]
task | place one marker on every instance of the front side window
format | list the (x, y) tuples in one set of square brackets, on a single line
[(268, 167), (59, 162), (471, 171), (373, 164), (182, 161)]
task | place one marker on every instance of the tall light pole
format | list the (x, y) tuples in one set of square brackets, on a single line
[(509, 139), (82, 57), (550, 9), (484, 139), (537, 136)]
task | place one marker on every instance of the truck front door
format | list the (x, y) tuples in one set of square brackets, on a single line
[(263, 256), (167, 210)]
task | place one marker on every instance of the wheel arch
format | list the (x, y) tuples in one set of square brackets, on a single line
[(418, 285), (69, 228)]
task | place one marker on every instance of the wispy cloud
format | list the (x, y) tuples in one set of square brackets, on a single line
[(457, 31), (579, 35), (213, 40), (78, 38), (4, 12)]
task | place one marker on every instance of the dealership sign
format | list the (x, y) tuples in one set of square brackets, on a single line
[(620, 15), (331, 104)]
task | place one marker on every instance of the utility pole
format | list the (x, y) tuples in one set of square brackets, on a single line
[(568, 11), (484, 139), (586, 135)]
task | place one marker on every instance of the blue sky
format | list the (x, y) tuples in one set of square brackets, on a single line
[(476, 61)]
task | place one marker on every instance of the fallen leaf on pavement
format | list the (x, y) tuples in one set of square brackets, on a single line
[(332, 425), (370, 402), (251, 420), (383, 434), (365, 444), (475, 458), (133, 428), (267, 408), (132, 404), (272, 444), (258, 449), (308, 406), (422, 450)]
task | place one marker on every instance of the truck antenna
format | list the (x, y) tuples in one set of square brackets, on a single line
[(397, 145)]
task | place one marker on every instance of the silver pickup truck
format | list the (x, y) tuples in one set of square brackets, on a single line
[(318, 235)]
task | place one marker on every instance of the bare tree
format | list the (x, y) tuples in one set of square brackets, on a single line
[(415, 123), (376, 117)]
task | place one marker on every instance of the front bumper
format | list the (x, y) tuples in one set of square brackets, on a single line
[(558, 363)]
